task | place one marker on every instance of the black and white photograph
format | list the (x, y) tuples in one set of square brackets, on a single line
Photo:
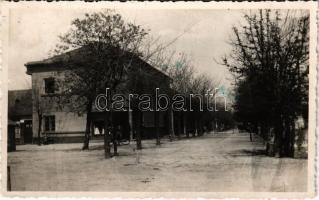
[(133, 97)]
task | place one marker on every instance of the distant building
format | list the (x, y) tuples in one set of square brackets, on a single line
[(20, 115)]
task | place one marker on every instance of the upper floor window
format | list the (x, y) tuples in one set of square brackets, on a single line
[(49, 85)]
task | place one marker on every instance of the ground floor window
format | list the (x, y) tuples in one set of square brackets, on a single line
[(49, 123), (98, 127), (17, 132)]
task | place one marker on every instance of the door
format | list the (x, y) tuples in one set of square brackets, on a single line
[(27, 131)]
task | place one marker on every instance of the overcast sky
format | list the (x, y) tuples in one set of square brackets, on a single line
[(33, 34)]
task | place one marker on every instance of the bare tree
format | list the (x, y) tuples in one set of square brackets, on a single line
[(186, 81), (39, 110), (42, 104), (270, 60), (105, 49)]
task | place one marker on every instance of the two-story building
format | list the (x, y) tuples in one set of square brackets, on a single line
[(64, 125)]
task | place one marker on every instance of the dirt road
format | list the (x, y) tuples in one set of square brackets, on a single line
[(224, 162)]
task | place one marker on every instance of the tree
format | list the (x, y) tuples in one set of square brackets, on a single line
[(185, 81), (270, 61), (207, 87), (142, 82), (42, 104), (103, 48), (181, 71), (38, 105)]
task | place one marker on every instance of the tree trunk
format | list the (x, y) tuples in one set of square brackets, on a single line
[(264, 132), (286, 139), (171, 124), (179, 124), (139, 118), (289, 139), (184, 125), (107, 138), (158, 137), (195, 131), (130, 121), (278, 142), (39, 128), (87, 133), (113, 133), (115, 144), (201, 129), (292, 139), (87, 127)]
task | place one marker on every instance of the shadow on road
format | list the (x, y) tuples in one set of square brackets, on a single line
[(246, 152)]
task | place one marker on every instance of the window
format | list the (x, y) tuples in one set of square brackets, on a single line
[(49, 85), (17, 132), (49, 123)]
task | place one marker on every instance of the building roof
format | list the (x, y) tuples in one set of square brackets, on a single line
[(80, 55), (19, 104), (56, 59)]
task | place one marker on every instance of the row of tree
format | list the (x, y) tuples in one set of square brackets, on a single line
[(100, 51), (270, 60)]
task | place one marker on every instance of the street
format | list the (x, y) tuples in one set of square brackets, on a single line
[(223, 162)]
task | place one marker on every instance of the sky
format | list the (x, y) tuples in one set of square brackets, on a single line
[(34, 33)]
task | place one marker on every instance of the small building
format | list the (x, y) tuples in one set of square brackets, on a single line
[(20, 116), (11, 143)]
